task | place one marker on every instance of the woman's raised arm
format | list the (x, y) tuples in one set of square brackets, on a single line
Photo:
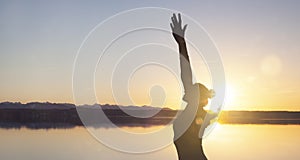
[(185, 66)]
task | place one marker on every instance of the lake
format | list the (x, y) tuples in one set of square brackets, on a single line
[(234, 142)]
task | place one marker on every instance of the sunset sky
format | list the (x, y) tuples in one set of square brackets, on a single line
[(257, 40)]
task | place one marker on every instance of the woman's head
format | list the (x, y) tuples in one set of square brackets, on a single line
[(205, 94)]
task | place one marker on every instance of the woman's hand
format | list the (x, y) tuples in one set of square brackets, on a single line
[(177, 30)]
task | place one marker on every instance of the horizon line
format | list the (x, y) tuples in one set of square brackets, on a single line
[(45, 102)]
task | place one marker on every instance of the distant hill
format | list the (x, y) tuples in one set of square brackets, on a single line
[(64, 106), (36, 105), (63, 115), (259, 117)]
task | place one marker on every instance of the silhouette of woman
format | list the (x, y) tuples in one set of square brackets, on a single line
[(187, 141)]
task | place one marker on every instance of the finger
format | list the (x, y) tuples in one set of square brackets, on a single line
[(175, 18), (184, 28), (179, 19), (172, 27)]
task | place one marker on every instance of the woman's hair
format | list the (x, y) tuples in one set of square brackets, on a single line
[(205, 94)]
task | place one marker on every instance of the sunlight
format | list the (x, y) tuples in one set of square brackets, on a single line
[(230, 96), (271, 65)]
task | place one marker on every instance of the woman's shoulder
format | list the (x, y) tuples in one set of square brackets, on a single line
[(191, 94)]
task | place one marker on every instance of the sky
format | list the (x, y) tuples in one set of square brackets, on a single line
[(257, 40)]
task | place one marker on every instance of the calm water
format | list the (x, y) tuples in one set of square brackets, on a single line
[(240, 142)]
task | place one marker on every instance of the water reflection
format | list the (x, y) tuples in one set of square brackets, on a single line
[(52, 125), (235, 142)]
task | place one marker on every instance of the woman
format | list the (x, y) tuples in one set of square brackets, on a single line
[(186, 138)]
